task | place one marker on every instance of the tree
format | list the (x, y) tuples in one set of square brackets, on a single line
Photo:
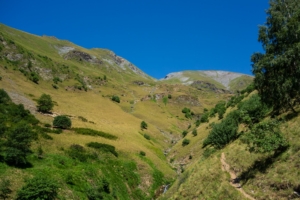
[(144, 125), (45, 103), (40, 187), (18, 142), (115, 98), (195, 132), (276, 70), (62, 122)]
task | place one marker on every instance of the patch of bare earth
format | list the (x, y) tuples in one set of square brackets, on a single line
[(234, 180)]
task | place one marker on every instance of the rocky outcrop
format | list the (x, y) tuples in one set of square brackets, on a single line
[(81, 56), (187, 100), (202, 85)]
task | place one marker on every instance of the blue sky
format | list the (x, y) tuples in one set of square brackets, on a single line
[(158, 36)]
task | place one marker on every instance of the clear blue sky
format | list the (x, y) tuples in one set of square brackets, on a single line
[(158, 36)]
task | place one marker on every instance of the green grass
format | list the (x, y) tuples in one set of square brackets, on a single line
[(88, 131)]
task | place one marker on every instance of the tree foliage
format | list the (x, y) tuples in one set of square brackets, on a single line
[(45, 103), (62, 121), (144, 125), (277, 70), (40, 187)]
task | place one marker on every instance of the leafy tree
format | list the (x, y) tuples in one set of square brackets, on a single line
[(185, 142), (45, 103), (40, 187), (18, 142), (265, 137), (184, 133), (195, 132), (62, 122), (276, 70), (144, 125), (115, 98), (4, 98)]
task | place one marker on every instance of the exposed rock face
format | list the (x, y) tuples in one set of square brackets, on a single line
[(202, 85), (138, 83), (189, 100), (81, 56)]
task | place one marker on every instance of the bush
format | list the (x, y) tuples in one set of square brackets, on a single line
[(142, 153), (195, 132), (5, 191), (92, 132), (184, 133), (40, 187), (78, 152), (103, 147), (4, 98), (34, 77), (204, 117), (144, 125), (45, 103), (18, 142), (62, 122), (185, 142), (147, 136), (224, 132), (265, 137), (169, 96), (115, 98)]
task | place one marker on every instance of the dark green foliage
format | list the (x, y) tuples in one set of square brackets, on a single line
[(78, 152), (17, 145), (55, 86), (4, 98), (147, 136), (34, 77), (103, 147), (224, 132), (185, 142), (169, 96), (101, 191), (47, 125), (220, 109), (204, 117), (142, 153), (62, 122), (187, 112), (234, 100), (92, 132), (208, 152), (5, 191), (252, 110), (104, 78), (39, 187), (265, 137), (277, 69), (197, 123), (56, 80), (45, 103), (0, 78), (144, 125), (115, 98), (195, 132), (184, 133), (250, 88)]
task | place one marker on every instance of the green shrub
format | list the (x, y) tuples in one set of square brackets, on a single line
[(45, 103), (92, 132), (103, 147), (144, 125), (4, 98), (47, 125), (184, 133), (62, 122), (197, 123), (147, 136), (56, 80), (82, 119), (115, 98), (208, 152), (204, 117), (169, 96), (5, 191), (34, 77), (78, 152), (265, 137), (195, 132), (18, 142), (185, 142), (142, 153), (40, 187), (224, 132)]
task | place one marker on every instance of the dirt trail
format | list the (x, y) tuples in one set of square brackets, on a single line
[(234, 180)]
